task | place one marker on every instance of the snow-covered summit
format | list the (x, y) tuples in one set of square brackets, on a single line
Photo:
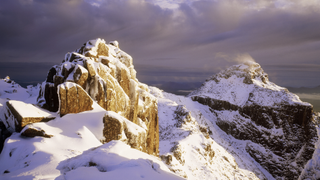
[(250, 71), (246, 84)]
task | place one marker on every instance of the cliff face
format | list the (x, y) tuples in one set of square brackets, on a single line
[(105, 74), (250, 107)]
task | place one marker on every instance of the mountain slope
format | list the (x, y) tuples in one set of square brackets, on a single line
[(248, 106)]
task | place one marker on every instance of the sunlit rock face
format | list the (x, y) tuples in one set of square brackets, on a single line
[(101, 72), (73, 99), (250, 107)]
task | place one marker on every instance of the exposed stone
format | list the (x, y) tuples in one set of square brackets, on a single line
[(80, 76), (182, 115), (88, 64), (113, 129), (134, 100), (114, 43), (103, 50), (73, 99), (51, 97), (116, 97), (123, 77), (67, 68), (149, 115), (4, 134), (106, 61), (58, 80), (31, 131), (119, 128), (166, 158), (215, 103), (51, 74)]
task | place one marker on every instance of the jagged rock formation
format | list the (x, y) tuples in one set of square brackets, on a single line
[(249, 107), (105, 74)]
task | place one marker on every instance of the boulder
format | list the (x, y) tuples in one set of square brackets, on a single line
[(73, 99), (32, 131), (17, 114), (117, 127)]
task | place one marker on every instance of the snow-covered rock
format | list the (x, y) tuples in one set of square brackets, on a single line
[(17, 114), (105, 74), (194, 147), (276, 122)]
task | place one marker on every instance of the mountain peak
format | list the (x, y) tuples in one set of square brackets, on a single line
[(249, 70), (245, 84)]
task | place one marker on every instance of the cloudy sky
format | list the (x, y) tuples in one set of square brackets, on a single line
[(170, 41)]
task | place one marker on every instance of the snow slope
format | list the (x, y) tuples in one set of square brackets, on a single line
[(199, 149), (74, 149), (74, 152)]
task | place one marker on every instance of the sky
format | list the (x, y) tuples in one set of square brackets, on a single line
[(170, 41)]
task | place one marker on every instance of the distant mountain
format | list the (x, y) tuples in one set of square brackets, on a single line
[(278, 126)]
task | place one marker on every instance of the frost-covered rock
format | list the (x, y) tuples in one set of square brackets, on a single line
[(250, 107), (107, 75)]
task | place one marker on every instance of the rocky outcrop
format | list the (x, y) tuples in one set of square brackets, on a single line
[(249, 107), (16, 114), (105, 74)]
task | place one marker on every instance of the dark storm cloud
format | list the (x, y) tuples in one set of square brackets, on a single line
[(180, 44)]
